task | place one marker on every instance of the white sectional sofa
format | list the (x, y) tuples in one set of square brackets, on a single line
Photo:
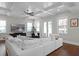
[(35, 47)]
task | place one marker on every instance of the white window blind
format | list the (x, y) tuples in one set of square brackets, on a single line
[(45, 27), (37, 26), (62, 26), (2, 26), (48, 28), (29, 26)]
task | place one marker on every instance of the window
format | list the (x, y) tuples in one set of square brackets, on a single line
[(45, 27), (48, 28), (2, 26), (29, 27), (37, 26), (62, 26)]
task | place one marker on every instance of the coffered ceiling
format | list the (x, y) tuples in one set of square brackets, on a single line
[(43, 9)]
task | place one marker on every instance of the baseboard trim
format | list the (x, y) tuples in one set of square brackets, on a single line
[(70, 42)]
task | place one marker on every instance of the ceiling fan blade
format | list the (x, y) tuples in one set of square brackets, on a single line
[(31, 14), (25, 12)]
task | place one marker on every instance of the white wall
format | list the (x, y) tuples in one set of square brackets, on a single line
[(73, 33), (72, 36)]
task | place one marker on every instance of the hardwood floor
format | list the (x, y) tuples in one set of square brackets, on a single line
[(66, 50)]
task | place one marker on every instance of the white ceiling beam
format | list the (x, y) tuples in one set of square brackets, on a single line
[(5, 9)]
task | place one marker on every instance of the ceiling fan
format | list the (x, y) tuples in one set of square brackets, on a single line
[(29, 12), (32, 12)]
